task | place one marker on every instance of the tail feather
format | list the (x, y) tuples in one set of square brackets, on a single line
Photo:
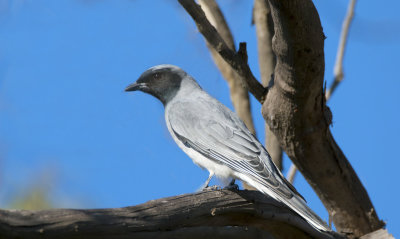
[(295, 203)]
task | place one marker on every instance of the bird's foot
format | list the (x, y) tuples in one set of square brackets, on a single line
[(232, 186)]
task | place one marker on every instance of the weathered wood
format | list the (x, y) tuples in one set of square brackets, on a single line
[(238, 214)]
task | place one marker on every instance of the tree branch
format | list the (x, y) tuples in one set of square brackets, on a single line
[(231, 57), (338, 70), (266, 60), (239, 94), (296, 111), (211, 214)]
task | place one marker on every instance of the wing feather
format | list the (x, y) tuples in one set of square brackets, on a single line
[(214, 131)]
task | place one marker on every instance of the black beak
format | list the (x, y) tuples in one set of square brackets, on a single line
[(135, 86)]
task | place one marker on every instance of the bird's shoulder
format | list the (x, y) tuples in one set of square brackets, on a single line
[(202, 109)]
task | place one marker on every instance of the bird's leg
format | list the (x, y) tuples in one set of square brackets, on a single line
[(205, 185), (232, 185), (232, 182)]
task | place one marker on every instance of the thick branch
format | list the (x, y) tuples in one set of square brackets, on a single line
[(296, 112), (208, 214), (239, 94), (235, 60), (338, 69), (266, 60)]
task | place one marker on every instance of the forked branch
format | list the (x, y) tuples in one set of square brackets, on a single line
[(232, 58)]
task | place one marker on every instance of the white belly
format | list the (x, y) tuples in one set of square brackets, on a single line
[(221, 171)]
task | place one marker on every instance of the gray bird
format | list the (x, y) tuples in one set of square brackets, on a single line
[(216, 139)]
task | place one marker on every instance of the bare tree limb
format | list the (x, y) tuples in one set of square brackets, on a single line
[(266, 60), (210, 214), (338, 70), (239, 94), (235, 60), (296, 111)]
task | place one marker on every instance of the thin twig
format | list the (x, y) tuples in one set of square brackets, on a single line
[(231, 57), (338, 69)]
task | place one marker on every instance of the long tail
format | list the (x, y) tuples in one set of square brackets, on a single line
[(295, 203)]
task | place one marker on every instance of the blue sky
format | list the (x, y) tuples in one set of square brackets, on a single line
[(63, 112)]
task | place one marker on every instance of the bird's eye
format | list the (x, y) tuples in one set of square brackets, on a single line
[(157, 76)]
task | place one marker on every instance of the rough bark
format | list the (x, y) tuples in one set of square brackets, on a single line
[(338, 69), (296, 112), (266, 61), (207, 214)]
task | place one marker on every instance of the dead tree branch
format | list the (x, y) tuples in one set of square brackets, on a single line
[(266, 61), (237, 61), (295, 109), (338, 69), (239, 94), (207, 214)]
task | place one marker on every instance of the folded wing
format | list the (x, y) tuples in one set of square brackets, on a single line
[(214, 131)]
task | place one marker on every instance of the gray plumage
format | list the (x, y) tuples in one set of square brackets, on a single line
[(216, 139)]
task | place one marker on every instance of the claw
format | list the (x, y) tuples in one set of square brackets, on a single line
[(232, 185)]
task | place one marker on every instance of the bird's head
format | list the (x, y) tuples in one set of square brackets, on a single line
[(162, 82)]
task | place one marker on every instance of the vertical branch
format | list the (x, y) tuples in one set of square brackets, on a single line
[(266, 61), (239, 95), (338, 69)]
